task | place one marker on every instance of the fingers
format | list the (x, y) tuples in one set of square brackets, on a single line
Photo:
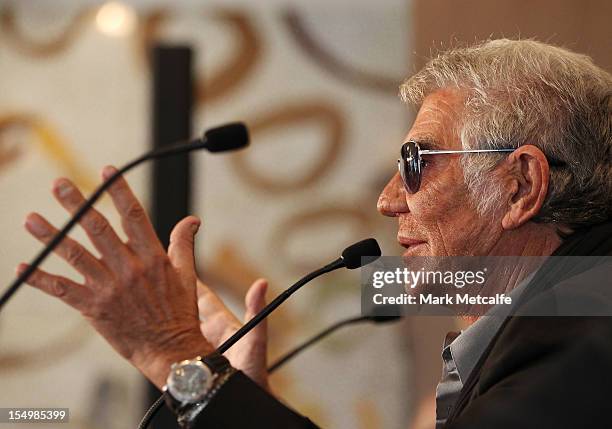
[(136, 224), (181, 251), (209, 303), (218, 323), (71, 293), (69, 250), (98, 229)]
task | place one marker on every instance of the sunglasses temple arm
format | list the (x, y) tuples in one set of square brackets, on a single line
[(435, 152)]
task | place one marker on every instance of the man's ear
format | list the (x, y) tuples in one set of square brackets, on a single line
[(528, 174)]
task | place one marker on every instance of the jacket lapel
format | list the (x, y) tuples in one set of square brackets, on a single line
[(592, 241)]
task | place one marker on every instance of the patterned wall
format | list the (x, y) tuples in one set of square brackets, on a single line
[(317, 85)]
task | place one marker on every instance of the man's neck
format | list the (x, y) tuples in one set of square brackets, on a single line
[(531, 240)]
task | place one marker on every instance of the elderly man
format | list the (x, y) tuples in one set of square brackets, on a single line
[(529, 128)]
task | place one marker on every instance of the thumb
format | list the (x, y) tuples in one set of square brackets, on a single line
[(256, 341), (181, 248), (255, 299), (249, 355)]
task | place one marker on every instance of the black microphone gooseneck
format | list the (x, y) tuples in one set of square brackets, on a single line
[(227, 137), (355, 256), (324, 333), (338, 263), (316, 338)]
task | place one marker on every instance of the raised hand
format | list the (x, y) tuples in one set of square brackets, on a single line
[(140, 299)]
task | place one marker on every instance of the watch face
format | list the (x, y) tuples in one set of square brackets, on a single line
[(189, 381)]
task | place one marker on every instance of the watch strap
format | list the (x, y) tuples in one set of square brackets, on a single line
[(217, 362)]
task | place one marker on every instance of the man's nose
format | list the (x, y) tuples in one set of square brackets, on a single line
[(392, 199)]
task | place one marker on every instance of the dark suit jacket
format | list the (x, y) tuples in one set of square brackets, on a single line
[(547, 372), (538, 372)]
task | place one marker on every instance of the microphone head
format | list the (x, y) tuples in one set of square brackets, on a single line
[(226, 137), (361, 253)]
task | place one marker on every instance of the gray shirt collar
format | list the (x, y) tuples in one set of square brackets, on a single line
[(467, 348), (461, 352)]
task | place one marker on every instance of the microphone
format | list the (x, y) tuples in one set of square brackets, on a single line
[(361, 253), (316, 338), (227, 137), (354, 256)]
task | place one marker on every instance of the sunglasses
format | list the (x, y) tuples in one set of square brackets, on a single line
[(410, 164)]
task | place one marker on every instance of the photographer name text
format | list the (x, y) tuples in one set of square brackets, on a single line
[(446, 300)]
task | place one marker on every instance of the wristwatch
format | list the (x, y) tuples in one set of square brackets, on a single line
[(192, 383)]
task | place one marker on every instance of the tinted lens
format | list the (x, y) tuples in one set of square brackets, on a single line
[(410, 167)]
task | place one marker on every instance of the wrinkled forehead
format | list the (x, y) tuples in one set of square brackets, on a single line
[(436, 125)]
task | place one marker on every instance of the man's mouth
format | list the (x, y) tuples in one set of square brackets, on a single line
[(411, 244)]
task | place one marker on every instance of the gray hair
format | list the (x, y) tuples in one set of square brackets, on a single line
[(527, 92)]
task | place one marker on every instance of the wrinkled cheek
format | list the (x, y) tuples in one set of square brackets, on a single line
[(442, 220), (428, 207)]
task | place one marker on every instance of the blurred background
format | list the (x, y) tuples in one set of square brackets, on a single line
[(85, 84)]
